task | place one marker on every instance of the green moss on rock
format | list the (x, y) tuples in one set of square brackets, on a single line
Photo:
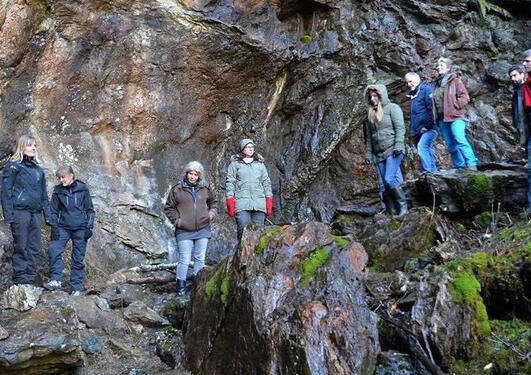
[(211, 286), (310, 263), (225, 285), (340, 242), (306, 39), (264, 239)]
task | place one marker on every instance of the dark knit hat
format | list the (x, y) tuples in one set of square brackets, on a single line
[(245, 142)]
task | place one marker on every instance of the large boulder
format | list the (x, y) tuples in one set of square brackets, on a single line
[(44, 340), (390, 242), (497, 186), (291, 300)]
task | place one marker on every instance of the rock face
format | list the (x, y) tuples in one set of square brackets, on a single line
[(128, 92), (290, 301)]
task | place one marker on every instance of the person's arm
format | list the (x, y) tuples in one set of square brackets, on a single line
[(89, 210), (461, 95), (8, 181), (266, 184), (368, 139), (170, 208), (212, 203), (230, 189), (54, 208), (397, 118), (428, 105), (45, 203)]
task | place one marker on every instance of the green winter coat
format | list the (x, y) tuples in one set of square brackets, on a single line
[(382, 139), (249, 184)]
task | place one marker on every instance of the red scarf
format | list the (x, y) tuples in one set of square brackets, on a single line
[(526, 88)]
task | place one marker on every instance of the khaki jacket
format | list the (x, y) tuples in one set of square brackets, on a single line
[(187, 215)]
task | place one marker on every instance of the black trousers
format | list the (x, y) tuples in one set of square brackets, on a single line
[(26, 230)]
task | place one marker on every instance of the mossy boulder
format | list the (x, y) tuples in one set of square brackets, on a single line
[(389, 242), (299, 295), (473, 192)]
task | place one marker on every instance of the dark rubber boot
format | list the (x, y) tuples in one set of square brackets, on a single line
[(181, 288), (400, 200), (389, 203)]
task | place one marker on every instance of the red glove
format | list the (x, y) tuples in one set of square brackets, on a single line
[(231, 202), (269, 205)]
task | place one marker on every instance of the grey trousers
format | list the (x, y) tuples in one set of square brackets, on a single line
[(244, 217)]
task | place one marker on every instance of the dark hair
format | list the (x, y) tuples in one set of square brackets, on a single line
[(518, 68)]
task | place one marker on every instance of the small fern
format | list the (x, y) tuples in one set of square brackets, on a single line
[(486, 6)]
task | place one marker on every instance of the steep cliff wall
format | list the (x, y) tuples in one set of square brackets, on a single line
[(129, 91)]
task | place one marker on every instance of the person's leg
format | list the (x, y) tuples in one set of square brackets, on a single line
[(77, 265), (392, 167), (258, 217), (391, 179), (457, 159), (55, 252), (380, 185), (458, 128), (242, 218), (34, 246), (386, 193), (19, 229), (200, 247), (185, 253), (425, 150)]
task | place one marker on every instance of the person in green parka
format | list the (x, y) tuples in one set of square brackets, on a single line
[(249, 196), (385, 141)]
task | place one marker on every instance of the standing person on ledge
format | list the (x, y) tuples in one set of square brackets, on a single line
[(518, 78), (526, 88), (450, 99), (422, 127), (191, 207), (73, 216), (24, 199), (385, 141), (249, 195)]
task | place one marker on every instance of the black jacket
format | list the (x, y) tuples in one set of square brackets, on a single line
[(72, 206), (24, 188), (517, 113)]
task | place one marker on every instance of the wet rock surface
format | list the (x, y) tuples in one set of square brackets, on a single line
[(290, 295)]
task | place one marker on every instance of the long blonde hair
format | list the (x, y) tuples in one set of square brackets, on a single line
[(22, 143), (375, 115)]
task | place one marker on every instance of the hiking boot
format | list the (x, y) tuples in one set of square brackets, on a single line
[(400, 200), (181, 288), (52, 285), (76, 293), (473, 168), (389, 203)]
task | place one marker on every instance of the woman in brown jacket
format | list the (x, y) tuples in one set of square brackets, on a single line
[(191, 207)]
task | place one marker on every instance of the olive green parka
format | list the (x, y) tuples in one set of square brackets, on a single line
[(389, 135), (248, 183)]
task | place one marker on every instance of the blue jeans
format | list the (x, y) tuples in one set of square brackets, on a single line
[(185, 254), (55, 252), (244, 217), (390, 171), (425, 150), (460, 150), (381, 187)]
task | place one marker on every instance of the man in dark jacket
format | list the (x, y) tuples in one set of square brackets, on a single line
[(526, 89), (74, 218), (517, 76), (422, 126)]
